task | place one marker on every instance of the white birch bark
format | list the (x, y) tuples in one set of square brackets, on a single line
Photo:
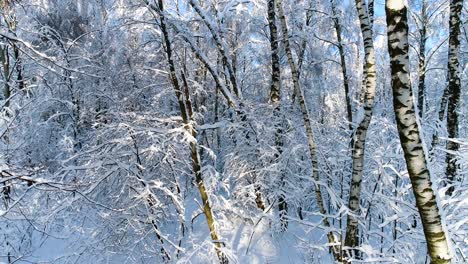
[(453, 106), (359, 139), (275, 98), (408, 130)]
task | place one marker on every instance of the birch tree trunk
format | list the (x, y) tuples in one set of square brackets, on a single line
[(371, 13), (337, 26), (359, 139), (308, 126), (196, 164), (370, 16), (408, 130), (275, 94), (422, 58), (454, 91)]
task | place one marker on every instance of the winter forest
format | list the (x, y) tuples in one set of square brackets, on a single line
[(233, 131)]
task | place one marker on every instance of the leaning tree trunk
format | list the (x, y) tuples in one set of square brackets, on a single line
[(408, 130), (308, 126), (196, 164), (454, 91), (359, 139)]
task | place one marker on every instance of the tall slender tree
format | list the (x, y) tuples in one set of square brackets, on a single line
[(275, 93), (408, 130), (275, 99), (344, 71), (423, 21), (359, 139), (369, 8), (453, 91), (308, 126)]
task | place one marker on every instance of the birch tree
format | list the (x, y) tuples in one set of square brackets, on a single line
[(454, 91), (275, 98), (338, 30), (409, 133), (275, 92), (423, 21), (359, 139), (369, 8)]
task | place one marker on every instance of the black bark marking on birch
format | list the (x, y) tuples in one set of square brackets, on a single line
[(371, 13), (397, 30)]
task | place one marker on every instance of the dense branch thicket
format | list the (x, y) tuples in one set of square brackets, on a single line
[(233, 131)]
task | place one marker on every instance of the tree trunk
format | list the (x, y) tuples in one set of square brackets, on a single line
[(359, 139), (337, 26), (422, 58), (408, 130), (454, 91), (308, 126), (196, 164), (5, 60), (275, 95), (275, 98), (371, 13)]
